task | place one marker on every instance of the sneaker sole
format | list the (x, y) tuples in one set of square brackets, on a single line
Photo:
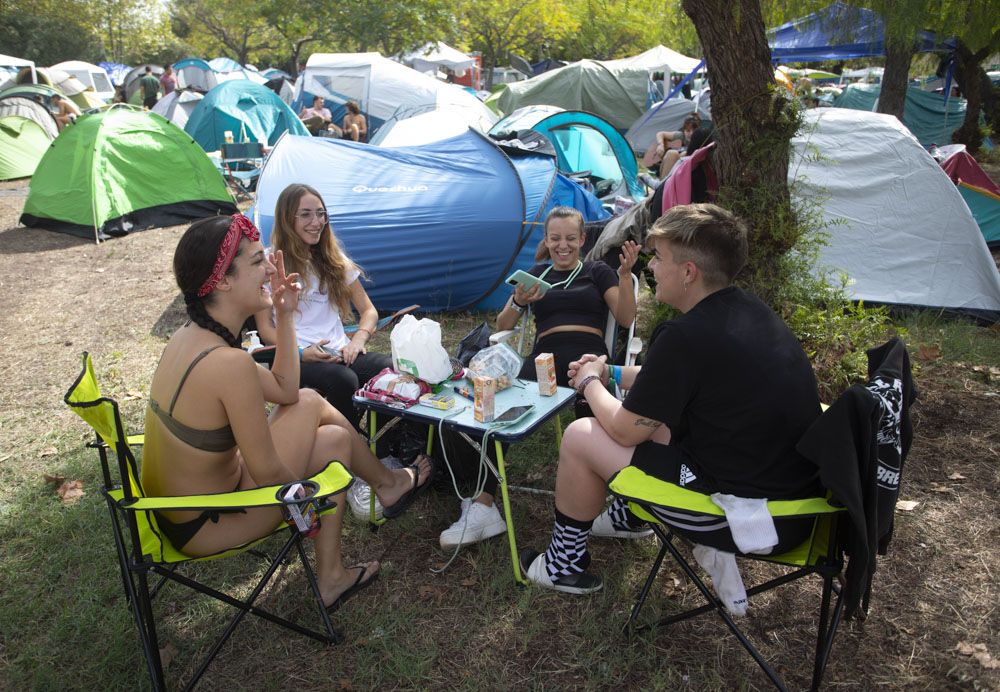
[(627, 535), (490, 532)]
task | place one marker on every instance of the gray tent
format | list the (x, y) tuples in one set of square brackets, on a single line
[(662, 117)]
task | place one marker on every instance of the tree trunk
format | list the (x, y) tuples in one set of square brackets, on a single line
[(754, 123), (967, 74), (894, 80)]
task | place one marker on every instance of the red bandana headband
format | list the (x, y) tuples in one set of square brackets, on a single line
[(240, 226)]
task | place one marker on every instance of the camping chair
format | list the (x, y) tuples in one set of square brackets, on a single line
[(241, 164), (144, 552), (859, 445)]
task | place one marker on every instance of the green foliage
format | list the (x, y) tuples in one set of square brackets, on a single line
[(619, 28)]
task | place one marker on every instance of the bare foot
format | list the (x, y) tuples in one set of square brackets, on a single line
[(403, 481), (347, 583)]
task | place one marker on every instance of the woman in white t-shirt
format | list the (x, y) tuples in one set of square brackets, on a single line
[(333, 363)]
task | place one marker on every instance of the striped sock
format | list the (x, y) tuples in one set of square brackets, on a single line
[(567, 553), (621, 516)]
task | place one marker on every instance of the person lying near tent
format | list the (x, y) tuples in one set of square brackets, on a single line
[(570, 319), (318, 119), (355, 125), (667, 152), (65, 111), (207, 429), (332, 362), (721, 399)]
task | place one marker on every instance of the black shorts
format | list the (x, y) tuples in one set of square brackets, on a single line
[(150, 102), (671, 464)]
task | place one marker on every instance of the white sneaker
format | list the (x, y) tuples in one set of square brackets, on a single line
[(604, 527), (477, 523), (358, 497), (533, 568)]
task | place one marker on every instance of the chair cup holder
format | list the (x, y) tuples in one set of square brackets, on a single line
[(301, 508)]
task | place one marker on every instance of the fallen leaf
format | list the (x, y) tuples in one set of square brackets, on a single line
[(985, 660), (427, 591), (48, 452), (345, 684), (928, 352), (70, 492), (940, 488), (906, 505), (167, 654), (967, 649), (956, 476), (57, 479), (468, 582), (132, 394)]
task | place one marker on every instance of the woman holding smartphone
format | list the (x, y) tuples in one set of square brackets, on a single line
[(570, 319), (333, 363)]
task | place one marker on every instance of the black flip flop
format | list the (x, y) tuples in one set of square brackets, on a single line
[(404, 502), (354, 588)]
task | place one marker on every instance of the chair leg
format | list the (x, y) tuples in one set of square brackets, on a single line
[(143, 608), (335, 636), (644, 592), (826, 631)]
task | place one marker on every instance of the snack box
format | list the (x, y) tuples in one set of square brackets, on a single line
[(485, 391), (545, 373)]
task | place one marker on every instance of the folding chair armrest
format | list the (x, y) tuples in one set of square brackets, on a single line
[(502, 337), (333, 479)]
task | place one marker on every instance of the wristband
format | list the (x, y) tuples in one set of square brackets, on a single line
[(515, 306), (586, 380), (300, 353), (367, 331), (616, 373)]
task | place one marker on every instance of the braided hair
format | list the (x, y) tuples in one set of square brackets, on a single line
[(194, 260)]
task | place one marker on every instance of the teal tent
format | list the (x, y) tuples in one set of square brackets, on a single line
[(251, 112), (985, 208), (924, 112), (617, 93), (123, 170), (583, 142)]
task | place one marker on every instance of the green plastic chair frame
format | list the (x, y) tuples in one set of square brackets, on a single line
[(820, 554), (143, 552)]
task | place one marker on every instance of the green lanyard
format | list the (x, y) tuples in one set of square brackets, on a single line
[(568, 280)]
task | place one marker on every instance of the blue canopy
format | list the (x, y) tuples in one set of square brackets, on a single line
[(116, 71), (247, 110), (583, 142), (441, 224), (838, 32)]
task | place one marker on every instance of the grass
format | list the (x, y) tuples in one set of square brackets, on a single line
[(960, 341)]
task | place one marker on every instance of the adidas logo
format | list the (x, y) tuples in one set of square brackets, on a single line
[(686, 475)]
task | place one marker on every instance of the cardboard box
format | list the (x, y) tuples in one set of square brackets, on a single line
[(545, 373), (484, 400)]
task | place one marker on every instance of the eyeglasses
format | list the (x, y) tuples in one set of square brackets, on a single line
[(307, 216)]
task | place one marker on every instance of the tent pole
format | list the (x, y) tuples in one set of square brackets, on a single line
[(650, 114)]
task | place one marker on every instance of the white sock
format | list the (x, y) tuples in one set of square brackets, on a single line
[(750, 523), (721, 567)]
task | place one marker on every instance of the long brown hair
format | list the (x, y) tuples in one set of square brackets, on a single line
[(325, 261)]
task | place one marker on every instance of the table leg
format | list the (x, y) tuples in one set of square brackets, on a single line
[(372, 435), (514, 559), (558, 431)]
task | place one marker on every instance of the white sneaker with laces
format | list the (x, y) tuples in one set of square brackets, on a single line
[(359, 498), (477, 523), (604, 527)]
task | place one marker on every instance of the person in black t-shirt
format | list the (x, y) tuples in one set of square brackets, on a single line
[(569, 320), (723, 395)]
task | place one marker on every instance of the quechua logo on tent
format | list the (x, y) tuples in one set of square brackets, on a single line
[(391, 188)]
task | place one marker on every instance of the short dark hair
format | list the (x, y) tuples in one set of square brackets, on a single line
[(353, 107), (149, 68), (713, 238), (692, 120)]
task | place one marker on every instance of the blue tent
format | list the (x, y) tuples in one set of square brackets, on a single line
[(838, 32), (252, 112), (116, 71), (441, 224), (583, 142)]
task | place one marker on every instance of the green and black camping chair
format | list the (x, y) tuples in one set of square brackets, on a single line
[(143, 551)]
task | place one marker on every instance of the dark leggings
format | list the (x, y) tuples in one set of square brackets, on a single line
[(338, 382), (565, 348)]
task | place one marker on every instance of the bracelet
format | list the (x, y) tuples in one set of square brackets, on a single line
[(300, 353), (581, 388), (368, 331), (515, 306), (616, 373)]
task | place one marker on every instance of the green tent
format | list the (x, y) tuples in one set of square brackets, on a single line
[(123, 170), (924, 112), (617, 94), (26, 129)]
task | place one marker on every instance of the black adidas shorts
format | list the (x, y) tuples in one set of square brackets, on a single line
[(670, 464)]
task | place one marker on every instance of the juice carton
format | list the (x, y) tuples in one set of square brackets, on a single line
[(545, 372), (485, 389)]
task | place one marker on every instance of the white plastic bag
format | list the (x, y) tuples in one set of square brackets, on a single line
[(500, 362), (417, 350)]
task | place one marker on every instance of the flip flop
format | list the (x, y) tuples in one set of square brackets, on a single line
[(404, 502), (354, 588)]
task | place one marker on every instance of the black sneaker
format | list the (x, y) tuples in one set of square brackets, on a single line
[(533, 567)]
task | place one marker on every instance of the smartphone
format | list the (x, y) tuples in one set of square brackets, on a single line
[(527, 280), (513, 414), (335, 352)]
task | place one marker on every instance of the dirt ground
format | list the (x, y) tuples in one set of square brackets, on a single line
[(936, 592)]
